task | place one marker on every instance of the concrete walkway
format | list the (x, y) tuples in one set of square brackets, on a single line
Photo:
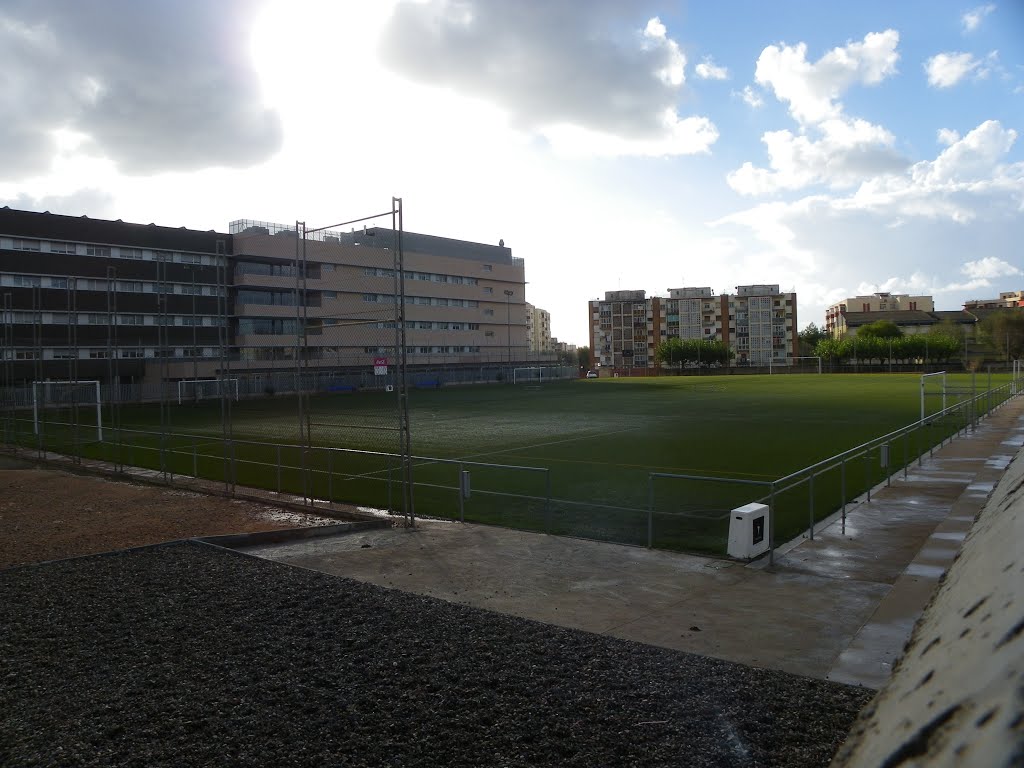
[(839, 607)]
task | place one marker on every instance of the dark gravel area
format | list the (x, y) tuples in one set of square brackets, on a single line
[(185, 655)]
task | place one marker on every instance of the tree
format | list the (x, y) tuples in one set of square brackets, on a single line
[(810, 337), (583, 356), (1004, 333), (880, 329), (670, 351)]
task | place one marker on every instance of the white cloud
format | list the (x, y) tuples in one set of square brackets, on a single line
[(972, 19), (152, 87), (681, 136), (947, 136), (848, 152), (708, 70), (812, 90), (555, 71), (752, 97), (947, 69), (959, 218), (988, 268)]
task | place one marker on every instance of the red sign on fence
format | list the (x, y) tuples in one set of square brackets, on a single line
[(380, 366)]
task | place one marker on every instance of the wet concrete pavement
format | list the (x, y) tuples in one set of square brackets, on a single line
[(839, 607)]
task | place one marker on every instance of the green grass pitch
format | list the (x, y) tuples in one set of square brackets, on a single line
[(598, 439)]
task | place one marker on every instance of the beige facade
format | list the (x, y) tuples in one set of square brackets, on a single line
[(538, 330), (622, 330), (1006, 300), (835, 320), (464, 302), (758, 322)]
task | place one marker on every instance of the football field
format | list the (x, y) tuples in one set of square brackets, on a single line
[(571, 457)]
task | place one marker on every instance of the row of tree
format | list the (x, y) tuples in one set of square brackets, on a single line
[(1001, 334), (700, 352)]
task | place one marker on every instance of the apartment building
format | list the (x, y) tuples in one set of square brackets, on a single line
[(835, 315), (464, 301), (1006, 300), (758, 322), (764, 323), (538, 330), (109, 300), (622, 330), (88, 299)]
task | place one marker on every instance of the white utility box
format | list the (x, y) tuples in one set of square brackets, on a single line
[(748, 531)]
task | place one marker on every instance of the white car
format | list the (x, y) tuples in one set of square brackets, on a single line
[(591, 374)]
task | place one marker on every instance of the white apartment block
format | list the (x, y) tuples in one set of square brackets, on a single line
[(758, 322), (835, 322), (538, 330)]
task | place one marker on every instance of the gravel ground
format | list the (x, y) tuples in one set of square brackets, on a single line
[(186, 655), (48, 514)]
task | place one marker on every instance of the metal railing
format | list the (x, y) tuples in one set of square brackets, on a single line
[(693, 518)]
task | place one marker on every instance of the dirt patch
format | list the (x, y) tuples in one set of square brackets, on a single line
[(48, 514)]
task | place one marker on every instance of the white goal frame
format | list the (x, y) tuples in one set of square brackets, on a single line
[(929, 375), (806, 357), (540, 378), (66, 383), (218, 382)]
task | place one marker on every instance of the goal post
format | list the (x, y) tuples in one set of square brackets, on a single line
[(532, 374), (791, 360), (939, 376), (63, 393), (194, 390)]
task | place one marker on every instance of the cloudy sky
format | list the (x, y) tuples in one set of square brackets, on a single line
[(832, 148)]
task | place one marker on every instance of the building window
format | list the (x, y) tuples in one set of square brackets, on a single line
[(62, 247), (488, 268), (97, 354), (163, 256), (130, 319), (25, 245), (130, 353), (489, 312), (130, 253), (191, 258), (192, 290), (27, 281), (62, 354), (97, 250), (488, 290), (58, 282)]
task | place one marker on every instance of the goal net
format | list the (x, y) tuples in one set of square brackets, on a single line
[(528, 375), (195, 390), (805, 363), (68, 403)]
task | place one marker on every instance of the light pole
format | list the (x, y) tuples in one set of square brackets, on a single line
[(508, 323)]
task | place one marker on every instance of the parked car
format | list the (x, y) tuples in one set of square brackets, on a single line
[(591, 374)]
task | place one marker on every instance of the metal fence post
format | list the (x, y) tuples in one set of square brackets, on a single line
[(650, 511), (461, 492), (810, 504), (330, 476), (547, 501), (278, 468), (771, 526), (195, 460), (867, 472), (842, 486)]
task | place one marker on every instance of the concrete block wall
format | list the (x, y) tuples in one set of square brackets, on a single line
[(957, 694)]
